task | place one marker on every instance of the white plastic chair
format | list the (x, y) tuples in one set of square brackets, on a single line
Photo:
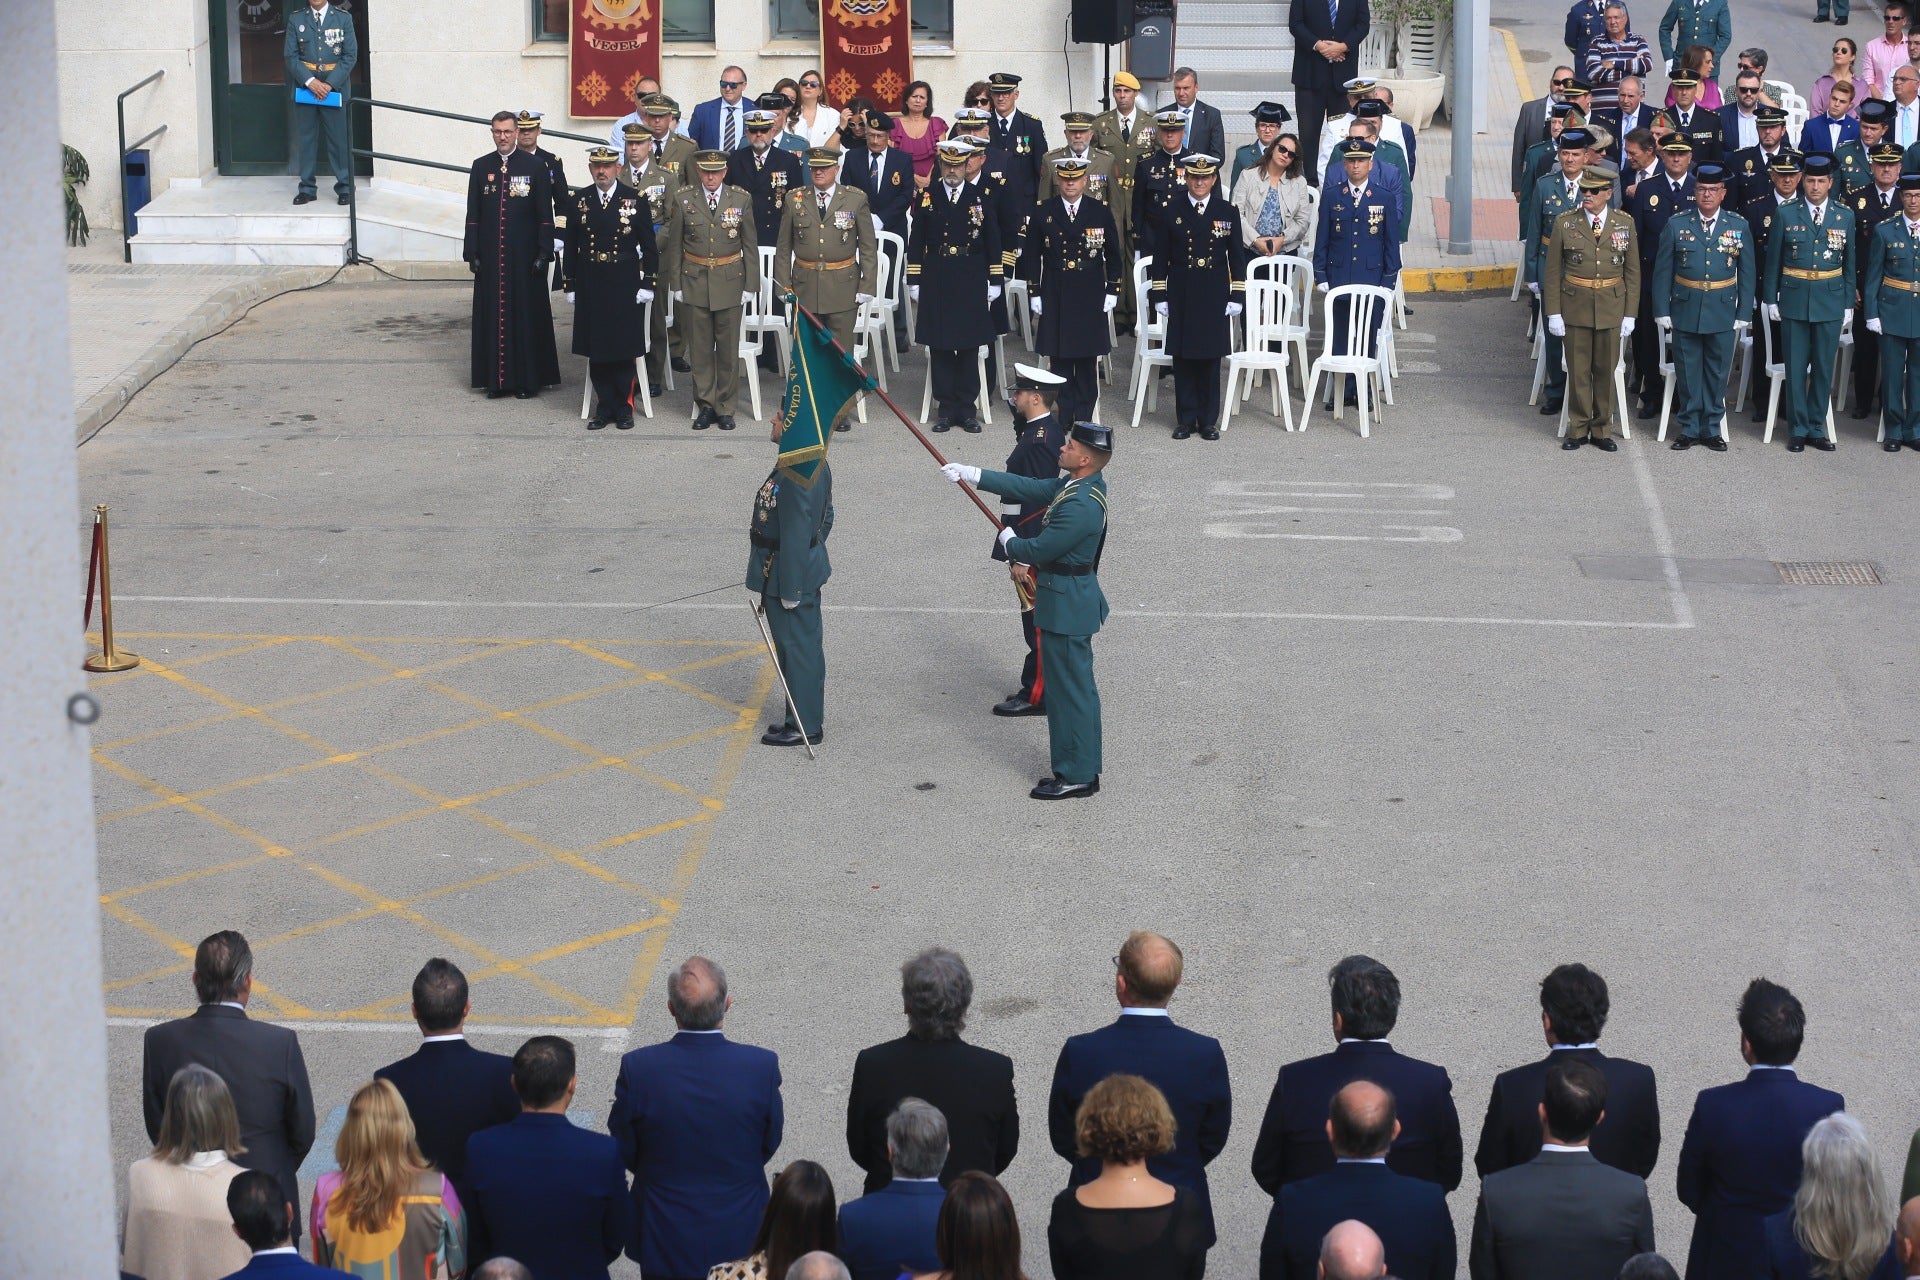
[(1020, 310), (1844, 372), (753, 338), (639, 373), (1268, 308), (872, 329), (1150, 344), (893, 249), (1296, 272), (768, 317), (1665, 361), (1621, 409), (981, 401), (1368, 304)]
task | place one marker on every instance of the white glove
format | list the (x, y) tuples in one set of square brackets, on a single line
[(1233, 309), (569, 299), (863, 297), (1534, 288), (1321, 287), (1741, 326), (1846, 316), (1664, 322), (559, 245), (1773, 312), (643, 296), (1556, 326), (1626, 326), (1113, 300), (959, 472), (675, 295), (1873, 325), (747, 297), (1034, 302), (913, 292), (1160, 309), (993, 293), (789, 604), (1006, 534)]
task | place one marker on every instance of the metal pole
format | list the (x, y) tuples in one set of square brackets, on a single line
[(1466, 92)]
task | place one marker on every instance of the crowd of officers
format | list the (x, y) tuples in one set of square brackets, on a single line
[(1710, 245), (665, 227)]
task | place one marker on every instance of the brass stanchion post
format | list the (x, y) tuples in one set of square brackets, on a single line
[(109, 658)]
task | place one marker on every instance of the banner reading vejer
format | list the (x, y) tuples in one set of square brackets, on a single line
[(611, 45), (866, 48)]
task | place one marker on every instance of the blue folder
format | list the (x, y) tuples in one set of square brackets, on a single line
[(304, 94)]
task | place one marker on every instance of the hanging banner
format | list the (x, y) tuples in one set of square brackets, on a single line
[(866, 50), (611, 45)]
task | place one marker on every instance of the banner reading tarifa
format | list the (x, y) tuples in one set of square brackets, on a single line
[(611, 45), (866, 50)]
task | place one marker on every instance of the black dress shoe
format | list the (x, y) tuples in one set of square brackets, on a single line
[(625, 424), (1715, 443), (1819, 17), (597, 424), (1821, 443), (843, 425), (343, 200), (1604, 444), (1796, 445), (942, 425), (680, 365), (704, 419), (1182, 431), (1859, 412), (1550, 405), (1839, 22), (305, 197), (1913, 445), (1015, 705), (1209, 433), (1681, 445), (1056, 789), (971, 426), (497, 393), (524, 394), (654, 389), (1572, 442), (1648, 409), (1891, 446), (726, 422), (789, 736)]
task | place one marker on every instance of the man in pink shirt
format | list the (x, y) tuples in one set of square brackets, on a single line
[(1880, 58)]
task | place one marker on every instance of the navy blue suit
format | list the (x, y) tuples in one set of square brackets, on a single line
[(1187, 1067), (1408, 1214), (890, 1230), (452, 1091), (281, 1266), (1628, 1136), (893, 196), (1786, 1260), (1293, 1134), (549, 1194), (705, 126), (697, 1118), (1740, 1164)]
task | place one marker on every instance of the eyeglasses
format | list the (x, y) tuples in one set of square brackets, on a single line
[(1561, 84), (809, 84), (976, 102), (733, 84), (1748, 88), (1282, 151)]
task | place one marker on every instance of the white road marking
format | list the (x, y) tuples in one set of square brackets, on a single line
[(1321, 490), (1662, 536)]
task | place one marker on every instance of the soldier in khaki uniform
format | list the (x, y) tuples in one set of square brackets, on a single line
[(712, 257), (657, 183), (1079, 130), (827, 255), (1126, 134), (1590, 284)]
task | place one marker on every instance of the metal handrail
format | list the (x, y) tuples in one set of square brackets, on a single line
[(120, 117)]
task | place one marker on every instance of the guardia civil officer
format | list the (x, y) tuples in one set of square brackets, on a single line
[(712, 261), (1126, 134), (509, 242), (1036, 455), (1892, 303), (1069, 607), (827, 255), (1078, 126), (954, 270), (1808, 285), (1072, 262), (1590, 279), (1876, 118), (1356, 243), (1872, 204), (1268, 118), (1760, 214), (1199, 280), (787, 566), (656, 182), (321, 51), (529, 124), (1703, 286), (610, 264), (1156, 179)]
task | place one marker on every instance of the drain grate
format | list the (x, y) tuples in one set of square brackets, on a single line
[(1827, 573)]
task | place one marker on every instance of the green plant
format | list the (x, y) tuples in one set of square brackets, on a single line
[(74, 174)]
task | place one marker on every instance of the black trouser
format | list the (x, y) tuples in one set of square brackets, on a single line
[(1762, 385), (1646, 346), (1196, 392), (1342, 317), (1031, 688), (1082, 391), (1313, 107), (613, 387), (956, 382), (1866, 365)]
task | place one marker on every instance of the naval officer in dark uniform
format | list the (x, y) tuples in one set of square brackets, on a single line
[(1199, 280), (528, 123), (1038, 436), (610, 265), (1069, 606), (787, 566), (1156, 179), (1072, 260), (1015, 140), (954, 270)]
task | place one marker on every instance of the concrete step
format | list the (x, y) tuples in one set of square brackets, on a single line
[(1265, 13), (400, 222), (282, 251)]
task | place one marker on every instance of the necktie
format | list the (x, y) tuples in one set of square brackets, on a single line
[(822, 198), (733, 126), (1818, 212), (1596, 225), (879, 168), (713, 203), (1333, 11), (1126, 130)]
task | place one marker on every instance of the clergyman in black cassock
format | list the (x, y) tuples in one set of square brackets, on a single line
[(509, 243)]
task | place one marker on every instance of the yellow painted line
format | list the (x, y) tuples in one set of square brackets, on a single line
[(185, 877), (662, 677), (634, 837), (1457, 279), (1519, 65), (179, 946)]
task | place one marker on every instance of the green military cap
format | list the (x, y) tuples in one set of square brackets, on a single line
[(634, 131), (1576, 89), (821, 158), (710, 161), (1597, 178), (1077, 119), (659, 104), (603, 155)]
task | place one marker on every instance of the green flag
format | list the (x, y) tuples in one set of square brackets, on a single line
[(820, 391)]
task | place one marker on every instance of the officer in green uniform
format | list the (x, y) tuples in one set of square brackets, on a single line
[(1892, 303), (1126, 134), (1856, 169), (656, 182), (1703, 275), (1078, 126), (712, 259), (1808, 288), (826, 254), (1068, 604), (1590, 284), (1552, 195), (321, 51), (787, 566), (1268, 118)]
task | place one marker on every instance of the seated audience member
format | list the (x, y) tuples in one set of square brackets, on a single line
[(385, 1211), (1126, 1224), (1408, 1214), (972, 1087), (1838, 1225), (978, 1235), (799, 1219), (177, 1197), (544, 1191), (891, 1230), (263, 1221), (1740, 1160), (452, 1090)]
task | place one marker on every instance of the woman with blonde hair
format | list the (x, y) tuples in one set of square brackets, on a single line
[(177, 1222), (1126, 1224), (386, 1212), (1840, 1226)]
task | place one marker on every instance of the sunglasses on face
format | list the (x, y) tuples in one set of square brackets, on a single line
[(1747, 88), (976, 102), (1282, 151), (1561, 84), (733, 84), (809, 84)]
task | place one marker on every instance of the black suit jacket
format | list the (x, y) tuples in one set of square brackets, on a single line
[(1628, 1137), (1562, 1215), (1408, 1214), (1311, 22), (1293, 1134), (265, 1073), (894, 196), (1609, 118), (452, 1091), (973, 1087), (1207, 132)]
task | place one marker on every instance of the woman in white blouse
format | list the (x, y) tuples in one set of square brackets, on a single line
[(1275, 216), (178, 1227), (813, 119)]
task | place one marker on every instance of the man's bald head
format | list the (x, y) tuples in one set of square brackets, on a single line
[(697, 994), (1150, 969), (1352, 1252), (1907, 1230), (1361, 1122), (818, 1265)]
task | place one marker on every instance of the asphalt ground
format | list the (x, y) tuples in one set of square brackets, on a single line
[(1447, 695)]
